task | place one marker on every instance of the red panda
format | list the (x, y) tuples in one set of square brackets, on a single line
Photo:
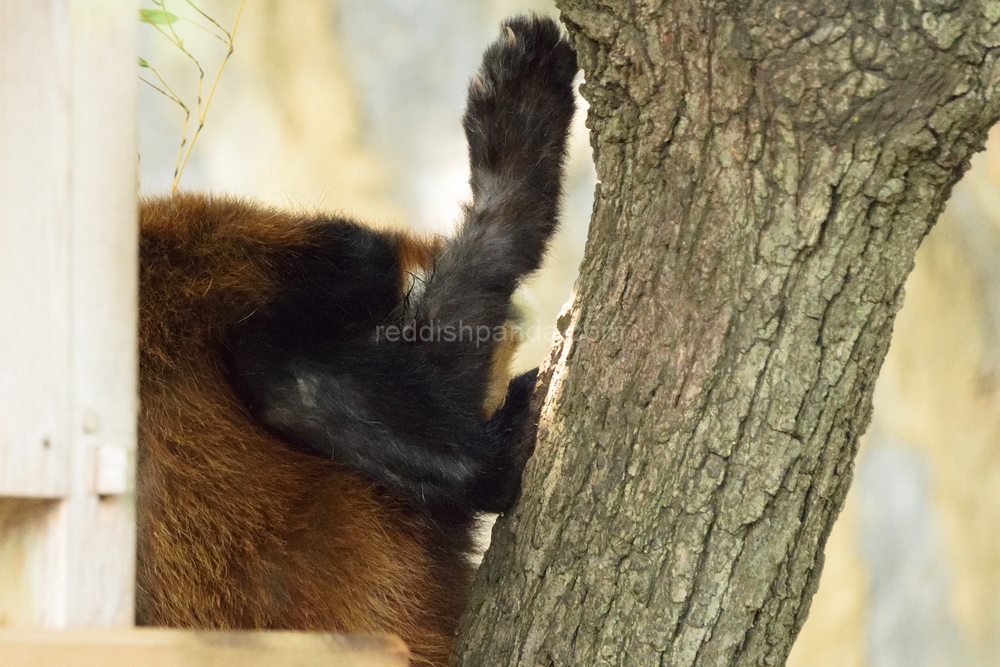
[(316, 438)]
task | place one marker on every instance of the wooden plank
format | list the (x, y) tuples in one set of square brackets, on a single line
[(68, 294), (100, 513), (34, 248), (151, 647)]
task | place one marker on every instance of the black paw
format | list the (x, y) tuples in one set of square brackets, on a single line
[(519, 392), (521, 102), (513, 428), (529, 54)]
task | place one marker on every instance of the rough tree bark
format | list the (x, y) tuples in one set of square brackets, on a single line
[(767, 169)]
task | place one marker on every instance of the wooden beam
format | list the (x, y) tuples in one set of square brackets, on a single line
[(34, 248), (104, 250), (150, 647), (68, 294)]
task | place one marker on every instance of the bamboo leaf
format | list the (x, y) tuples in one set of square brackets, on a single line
[(158, 17)]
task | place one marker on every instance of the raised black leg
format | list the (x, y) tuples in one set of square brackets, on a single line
[(321, 367), (517, 121)]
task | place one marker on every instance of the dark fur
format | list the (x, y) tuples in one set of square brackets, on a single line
[(263, 345)]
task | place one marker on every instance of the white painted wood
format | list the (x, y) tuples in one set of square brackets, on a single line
[(104, 313), (34, 248), (68, 311), (111, 471)]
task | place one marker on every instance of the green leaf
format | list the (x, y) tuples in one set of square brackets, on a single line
[(143, 63), (158, 17)]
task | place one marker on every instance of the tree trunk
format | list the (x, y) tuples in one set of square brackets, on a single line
[(767, 171)]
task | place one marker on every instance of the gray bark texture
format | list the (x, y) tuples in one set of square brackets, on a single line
[(767, 170)]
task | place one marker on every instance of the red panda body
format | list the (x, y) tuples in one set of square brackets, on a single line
[(237, 529), (297, 471)]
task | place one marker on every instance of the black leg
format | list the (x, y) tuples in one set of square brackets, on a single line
[(512, 429), (320, 366), (517, 120)]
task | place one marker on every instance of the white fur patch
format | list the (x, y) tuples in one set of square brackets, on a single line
[(416, 283), (308, 386)]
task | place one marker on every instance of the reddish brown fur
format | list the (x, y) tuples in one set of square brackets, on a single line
[(236, 528), (417, 253)]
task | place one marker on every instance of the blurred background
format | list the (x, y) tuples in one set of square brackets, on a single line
[(354, 106)]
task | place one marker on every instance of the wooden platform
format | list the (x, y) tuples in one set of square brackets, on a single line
[(153, 647)]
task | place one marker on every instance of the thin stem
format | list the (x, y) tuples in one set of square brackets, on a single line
[(213, 21), (168, 93), (203, 112), (171, 95), (224, 40)]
